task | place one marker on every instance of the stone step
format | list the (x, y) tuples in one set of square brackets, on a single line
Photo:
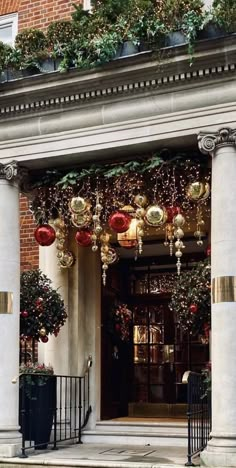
[(153, 434), (143, 427)]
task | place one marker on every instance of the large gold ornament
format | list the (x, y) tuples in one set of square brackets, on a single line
[(78, 205), (155, 215), (197, 191)]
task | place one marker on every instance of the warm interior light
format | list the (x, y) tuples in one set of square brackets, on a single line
[(128, 239)]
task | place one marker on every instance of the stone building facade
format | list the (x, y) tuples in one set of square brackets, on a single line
[(131, 105)]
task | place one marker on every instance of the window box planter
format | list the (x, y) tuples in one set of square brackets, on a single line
[(127, 48), (211, 31), (175, 38)]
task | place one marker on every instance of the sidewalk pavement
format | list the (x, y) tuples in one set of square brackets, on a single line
[(104, 456)]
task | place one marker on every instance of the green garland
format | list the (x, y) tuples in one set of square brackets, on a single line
[(191, 299), (109, 170)]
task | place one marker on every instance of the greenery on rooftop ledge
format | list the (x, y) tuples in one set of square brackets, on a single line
[(94, 38)]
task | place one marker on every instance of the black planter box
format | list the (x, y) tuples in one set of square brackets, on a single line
[(37, 408)]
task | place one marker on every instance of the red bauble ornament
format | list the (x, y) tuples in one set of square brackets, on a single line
[(193, 308), (45, 235), (208, 251), (172, 211), (119, 221), (83, 237), (206, 328), (24, 314), (44, 339)]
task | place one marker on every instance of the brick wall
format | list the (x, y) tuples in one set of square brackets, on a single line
[(29, 250), (38, 13)]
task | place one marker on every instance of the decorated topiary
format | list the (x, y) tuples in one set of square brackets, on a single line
[(191, 299), (42, 310)]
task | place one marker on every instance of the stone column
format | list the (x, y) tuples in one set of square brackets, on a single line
[(56, 351), (221, 145), (10, 438)]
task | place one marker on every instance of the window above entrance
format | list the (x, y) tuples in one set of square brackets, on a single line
[(8, 28)]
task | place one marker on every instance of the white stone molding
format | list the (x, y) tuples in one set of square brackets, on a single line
[(208, 142), (126, 88)]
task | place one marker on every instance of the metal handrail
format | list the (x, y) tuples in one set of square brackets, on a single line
[(198, 414), (69, 406)]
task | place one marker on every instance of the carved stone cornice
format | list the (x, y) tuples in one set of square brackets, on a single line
[(208, 142)]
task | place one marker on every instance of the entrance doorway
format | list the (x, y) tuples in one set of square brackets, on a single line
[(142, 376)]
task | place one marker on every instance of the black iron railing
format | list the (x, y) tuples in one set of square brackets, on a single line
[(198, 414), (53, 409)]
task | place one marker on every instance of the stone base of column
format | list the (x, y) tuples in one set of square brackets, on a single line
[(10, 444), (220, 453)]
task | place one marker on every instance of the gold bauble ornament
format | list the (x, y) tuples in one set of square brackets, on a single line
[(43, 331), (128, 208), (78, 205), (140, 200), (59, 223), (105, 237), (81, 220), (155, 215), (197, 191), (112, 256), (179, 220), (66, 259)]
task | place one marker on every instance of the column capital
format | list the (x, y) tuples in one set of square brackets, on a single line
[(13, 173), (208, 142), (9, 171)]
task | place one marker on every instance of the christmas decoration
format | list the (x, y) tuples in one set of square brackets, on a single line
[(155, 215), (121, 319), (66, 259), (45, 235), (193, 308), (179, 222), (140, 200), (44, 306), (208, 251), (198, 191), (128, 239), (191, 299), (77, 205), (42, 331), (84, 237), (119, 221), (94, 198)]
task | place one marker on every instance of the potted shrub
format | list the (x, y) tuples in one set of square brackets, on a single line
[(182, 19), (42, 310), (224, 15), (31, 46), (5, 51), (60, 37), (37, 402)]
